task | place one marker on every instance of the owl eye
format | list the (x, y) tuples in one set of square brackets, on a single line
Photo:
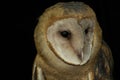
[(86, 31), (65, 34)]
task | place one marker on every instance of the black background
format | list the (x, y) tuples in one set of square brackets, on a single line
[(21, 19)]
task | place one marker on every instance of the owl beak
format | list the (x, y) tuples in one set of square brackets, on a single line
[(80, 55)]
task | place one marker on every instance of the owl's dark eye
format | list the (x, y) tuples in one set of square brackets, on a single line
[(65, 34), (86, 31)]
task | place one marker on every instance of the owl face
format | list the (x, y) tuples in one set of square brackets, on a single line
[(71, 40)]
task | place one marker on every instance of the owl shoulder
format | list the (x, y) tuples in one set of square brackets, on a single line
[(104, 63)]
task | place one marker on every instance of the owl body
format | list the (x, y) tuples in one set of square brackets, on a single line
[(69, 45)]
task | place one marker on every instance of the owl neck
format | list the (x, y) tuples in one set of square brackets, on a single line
[(67, 73)]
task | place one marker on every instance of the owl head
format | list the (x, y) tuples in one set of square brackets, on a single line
[(68, 33)]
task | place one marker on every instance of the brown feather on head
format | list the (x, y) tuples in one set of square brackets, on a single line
[(61, 11)]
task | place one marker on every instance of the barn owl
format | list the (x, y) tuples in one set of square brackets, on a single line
[(69, 45)]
